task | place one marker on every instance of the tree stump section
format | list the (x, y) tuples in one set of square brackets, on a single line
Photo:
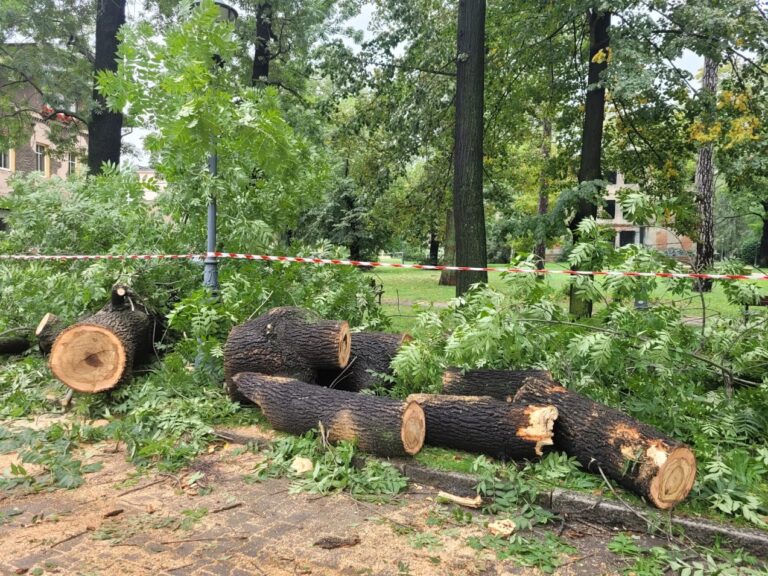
[(635, 455), (99, 352), (13, 344), (499, 384), (370, 352), (487, 426), (47, 331), (286, 341), (378, 425)]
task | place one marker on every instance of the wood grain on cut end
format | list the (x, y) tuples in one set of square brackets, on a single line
[(45, 321), (674, 479), (541, 422), (345, 345), (414, 428), (88, 358)]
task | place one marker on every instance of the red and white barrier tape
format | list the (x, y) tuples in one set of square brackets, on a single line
[(361, 263)]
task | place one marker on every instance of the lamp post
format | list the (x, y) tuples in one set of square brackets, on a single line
[(211, 269)]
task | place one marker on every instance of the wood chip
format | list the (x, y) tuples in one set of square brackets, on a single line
[(331, 542), (113, 513)]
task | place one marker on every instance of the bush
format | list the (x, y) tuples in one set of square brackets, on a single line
[(748, 251)]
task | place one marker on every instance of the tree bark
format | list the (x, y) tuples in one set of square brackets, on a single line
[(434, 248), (540, 250), (288, 342), (468, 209), (762, 253), (498, 384), (369, 352), (635, 455), (448, 277), (105, 127), (262, 54), (705, 185), (590, 165), (487, 426), (99, 352), (47, 330), (13, 344), (377, 424)]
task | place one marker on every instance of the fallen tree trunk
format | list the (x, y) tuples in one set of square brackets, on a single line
[(47, 331), (487, 426), (378, 425), (635, 455), (286, 341), (499, 384), (99, 352), (370, 352), (13, 344)]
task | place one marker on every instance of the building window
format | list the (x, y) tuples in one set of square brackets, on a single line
[(610, 208), (42, 160), (71, 164), (5, 160)]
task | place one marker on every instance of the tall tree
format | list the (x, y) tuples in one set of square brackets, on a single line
[(262, 53), (105, 127), (468, 148)]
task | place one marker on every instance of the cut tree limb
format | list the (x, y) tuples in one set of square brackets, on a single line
[(286, 341), (486, 425), (13, 344), (637, 456), (47, 331), (370, 352), (99, 352), (379, 425), (499, 384)]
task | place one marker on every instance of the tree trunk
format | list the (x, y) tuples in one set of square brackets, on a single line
[(288, 342), (47, 331), (590, 166), (369, 352), (262, 54), (705, 185), (105, 127), (434, 248), (13, 344), (487, 426), (468, 209), (377, 424), (762, 254), (99, 352), (498, 384), (540, 250), (637, 456), (448, 277)]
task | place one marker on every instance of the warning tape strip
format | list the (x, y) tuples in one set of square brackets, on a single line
[(365, 264)]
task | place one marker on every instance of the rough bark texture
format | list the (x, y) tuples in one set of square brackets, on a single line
[(590, 166), (286, 341), (262, 54), (370, 352), (105, 127), (705, 186), (468, 151), (13, 344), (635, 455), (99, 352), (434, 248), (378, 425), (540, 250), (448, 277), (487, 426), (47, 330), (498, 384), (762, 254)]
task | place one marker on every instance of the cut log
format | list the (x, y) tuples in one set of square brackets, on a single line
[(370, 352), (287, 341), (485, 425), (13, 344), (637, 456), (499, 384), (378, 425), (99, 352), (47, 331)]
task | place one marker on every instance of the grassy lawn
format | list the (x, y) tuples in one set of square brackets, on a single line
[(407, 290)]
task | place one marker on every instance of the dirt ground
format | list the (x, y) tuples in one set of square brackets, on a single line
[(210, 520)]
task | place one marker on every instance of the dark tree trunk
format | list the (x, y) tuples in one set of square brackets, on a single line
[(705, 186), (13, 344), (377, 424), (487, 426), (370, 353), (762, 254), (105, 127), (635, 455), (47, 330), (434, 248), (590, 166), (469, 213), (448, 277), (262, 54), (499, 384), (285, 342), (540, 250)]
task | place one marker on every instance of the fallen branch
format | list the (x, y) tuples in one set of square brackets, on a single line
[(476, 502)]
